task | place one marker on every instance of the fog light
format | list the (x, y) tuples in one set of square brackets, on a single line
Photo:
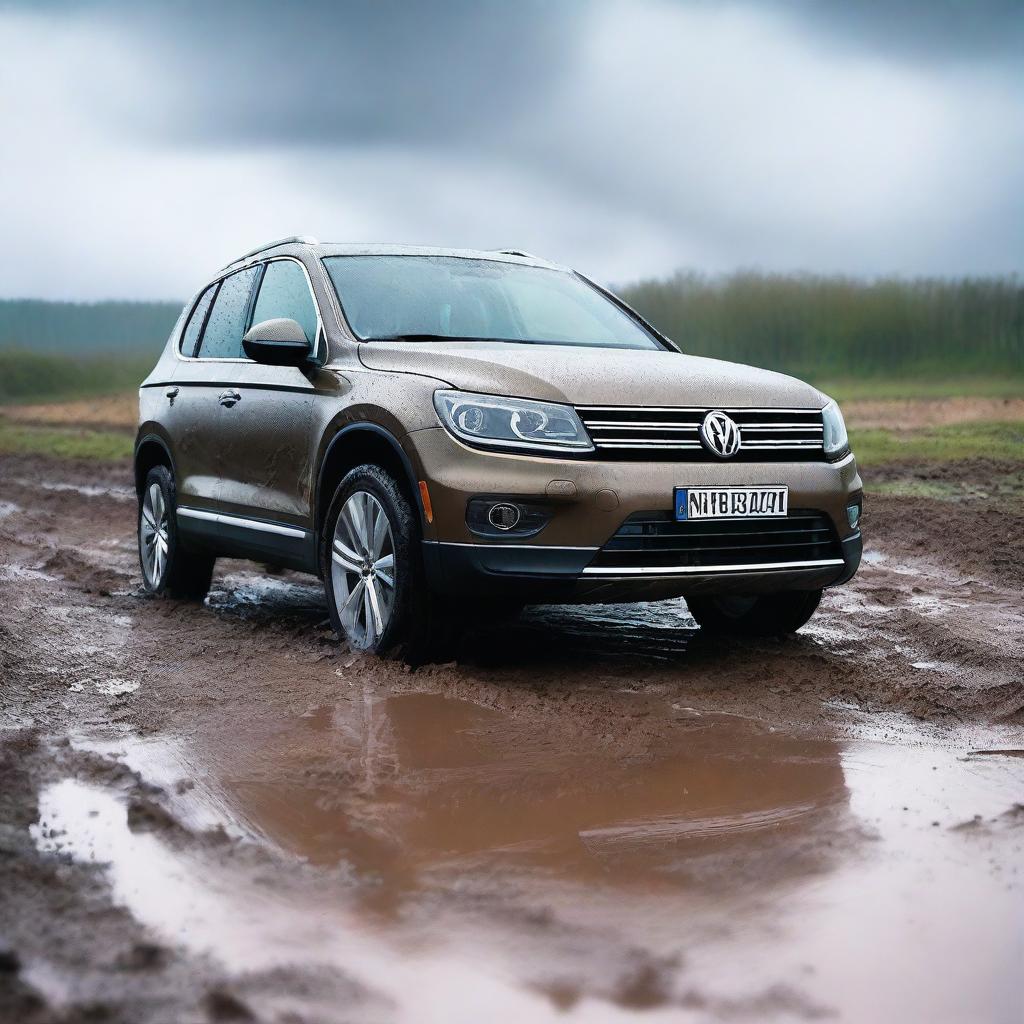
[(504, 516), (853, 515)]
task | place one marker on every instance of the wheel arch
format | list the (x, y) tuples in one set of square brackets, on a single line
[(151, 450), (356, 444)]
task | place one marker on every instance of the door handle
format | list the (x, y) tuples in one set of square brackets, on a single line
[(172, 394), (230, 397)]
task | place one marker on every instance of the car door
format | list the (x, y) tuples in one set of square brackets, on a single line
[(264, 434), (210, 346)]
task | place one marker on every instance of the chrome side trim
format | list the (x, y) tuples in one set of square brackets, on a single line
[(248, 524), (707, 570), (502, 546)]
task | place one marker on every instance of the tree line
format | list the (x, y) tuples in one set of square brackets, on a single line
[(830, 325), (37, 325), (815, 326)]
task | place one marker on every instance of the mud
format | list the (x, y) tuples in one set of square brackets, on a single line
[(115, 411), (218, 813)]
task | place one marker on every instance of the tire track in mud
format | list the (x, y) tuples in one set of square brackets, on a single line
[(907, 635)]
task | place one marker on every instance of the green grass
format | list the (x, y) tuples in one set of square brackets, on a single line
[(1005, 488), (995, 441), (910, 385), (27, 377), (986, 440), (69, 443)]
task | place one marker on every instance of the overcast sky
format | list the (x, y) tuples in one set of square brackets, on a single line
[(145, 144)]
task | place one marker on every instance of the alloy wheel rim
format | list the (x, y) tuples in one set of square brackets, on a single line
[(154, 534), (363, 569)]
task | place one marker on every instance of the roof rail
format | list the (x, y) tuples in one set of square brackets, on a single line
[(304, 239), (516, 252)]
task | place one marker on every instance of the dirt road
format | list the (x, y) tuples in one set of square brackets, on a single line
[(217, 813)]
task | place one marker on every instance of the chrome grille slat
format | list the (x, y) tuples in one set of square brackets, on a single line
[(781, 426), (673, 434), (636, 442), (791, 442), (644, 426), (701, 409)]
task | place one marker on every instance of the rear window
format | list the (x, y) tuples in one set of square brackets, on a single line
[(190, 339), (222, 338)]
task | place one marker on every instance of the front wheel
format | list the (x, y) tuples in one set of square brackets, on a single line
[(760, 615), (373, 572)]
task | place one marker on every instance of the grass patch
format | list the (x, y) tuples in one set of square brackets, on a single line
[(911, 386), (104, 445), (29, 377), (953, 443), (1008, 488)]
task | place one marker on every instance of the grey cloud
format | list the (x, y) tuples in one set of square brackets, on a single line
[(625, 136), (339, 73), (959, 31)]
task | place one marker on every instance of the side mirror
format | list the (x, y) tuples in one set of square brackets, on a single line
[(280, 342)]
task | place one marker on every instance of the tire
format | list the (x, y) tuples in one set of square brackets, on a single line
[(763, 615), (169, 568), (372, 566)]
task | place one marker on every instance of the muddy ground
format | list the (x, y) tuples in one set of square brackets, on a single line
[(218, 813)]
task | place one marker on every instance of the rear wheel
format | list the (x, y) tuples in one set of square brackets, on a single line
[(760, 615), (373, 572), (168, 567)]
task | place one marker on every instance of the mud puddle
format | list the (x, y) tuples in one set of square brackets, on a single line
[(85, 490), (453, 863)]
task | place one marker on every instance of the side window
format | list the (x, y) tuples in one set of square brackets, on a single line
[(222, 338), (284, 292), (190, 339)]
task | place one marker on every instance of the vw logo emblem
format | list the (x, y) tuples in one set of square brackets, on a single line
[(720, 435)]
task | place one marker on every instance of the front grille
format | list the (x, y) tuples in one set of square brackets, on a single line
[(630, 433), (655, 540)]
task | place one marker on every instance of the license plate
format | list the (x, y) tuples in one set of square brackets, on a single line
[(730, 502)]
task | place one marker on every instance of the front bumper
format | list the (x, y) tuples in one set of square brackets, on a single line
[(539, 574), (589, 500)]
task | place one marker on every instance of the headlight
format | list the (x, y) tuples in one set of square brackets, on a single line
[(511, 422), (834, 438)]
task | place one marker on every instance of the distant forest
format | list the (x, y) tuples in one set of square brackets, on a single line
[(51, 350), (824, 327), (819, 327), (35, 325)]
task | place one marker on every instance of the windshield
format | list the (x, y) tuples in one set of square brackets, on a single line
[(439, 298)]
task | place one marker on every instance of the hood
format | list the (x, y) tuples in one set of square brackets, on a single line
[(592, 376)]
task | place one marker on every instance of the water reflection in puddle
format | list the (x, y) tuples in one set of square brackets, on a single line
[(427, 781), (471, 864)]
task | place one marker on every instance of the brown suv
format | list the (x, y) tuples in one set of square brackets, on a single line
[(435, 432)]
